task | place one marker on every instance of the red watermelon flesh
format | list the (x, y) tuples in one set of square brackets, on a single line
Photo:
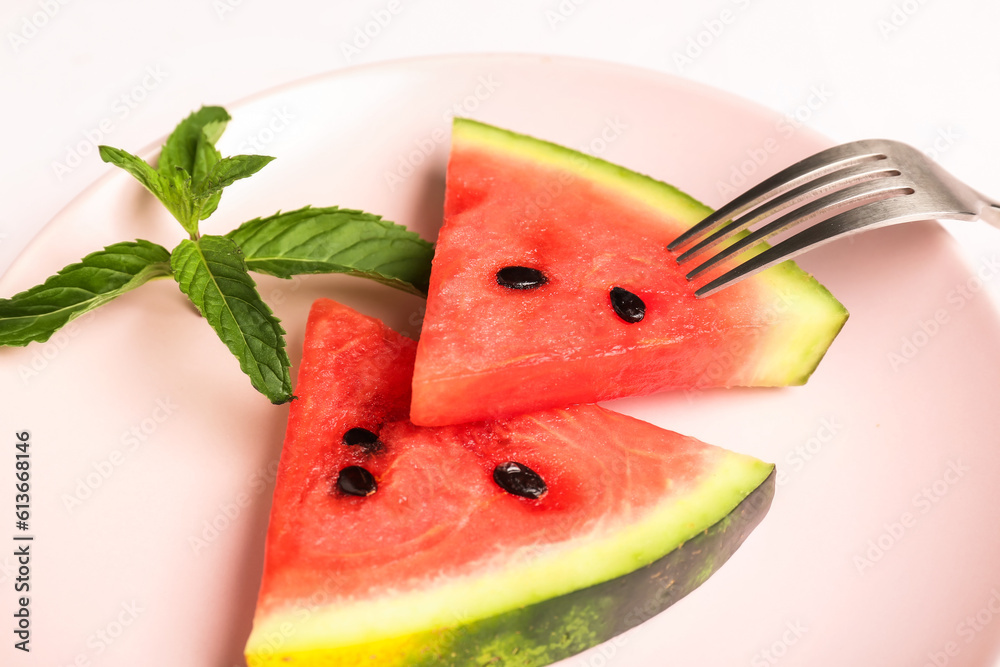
[(441, 561), (588, 226)]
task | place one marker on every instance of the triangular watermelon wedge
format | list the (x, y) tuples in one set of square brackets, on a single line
[(596, 233), (440, 565)]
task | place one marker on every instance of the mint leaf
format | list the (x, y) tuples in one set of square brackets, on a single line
[(136, 166), (203, 205), (227, 171), (172, 190), (205, 192), (189, 141), (334, 240), (191, 173), (206, 156), (213, 273), (35, 314)]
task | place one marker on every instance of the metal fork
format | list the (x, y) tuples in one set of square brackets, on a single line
[(847, 188)]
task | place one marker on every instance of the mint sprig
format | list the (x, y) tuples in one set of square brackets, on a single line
[(191, 173), (336, 240), (213, 271)]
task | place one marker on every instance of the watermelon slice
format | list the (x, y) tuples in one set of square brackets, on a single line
[(515, 542), (552, 285)]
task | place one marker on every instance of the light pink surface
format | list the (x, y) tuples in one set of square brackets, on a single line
[(880, 429)]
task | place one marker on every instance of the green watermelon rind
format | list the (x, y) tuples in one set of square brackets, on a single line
[(448, 616), (659, 194), (584, 618), (793, 352)]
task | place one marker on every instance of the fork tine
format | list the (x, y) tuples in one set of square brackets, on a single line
[(873, 214), (842, 178), (814, 166), (853, 196)]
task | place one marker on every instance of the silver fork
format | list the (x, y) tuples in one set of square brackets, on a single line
[(847, 188)]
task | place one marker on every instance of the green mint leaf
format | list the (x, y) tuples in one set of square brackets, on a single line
[(213, 129), (191, 173), (207, 191), (136, 166), (334, 240), (206, 205), (35, 314), (181, 203), (206, 156), (188, 157), (172, 190), (228, 170), (181, 151), (213, 273)]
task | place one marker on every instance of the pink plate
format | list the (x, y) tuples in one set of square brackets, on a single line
[(153, 458)]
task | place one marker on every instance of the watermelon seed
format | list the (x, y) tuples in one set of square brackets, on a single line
[(520, 480), (628, 306), (520, 277), (356, 481), (364, 438)]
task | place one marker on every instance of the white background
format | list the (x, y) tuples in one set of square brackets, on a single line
[(82, 72), (77, 72)]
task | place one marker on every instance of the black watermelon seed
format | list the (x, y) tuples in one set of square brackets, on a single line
[(628, 306), (364, 438), (356, 481), (520, 277), (520, 480)]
